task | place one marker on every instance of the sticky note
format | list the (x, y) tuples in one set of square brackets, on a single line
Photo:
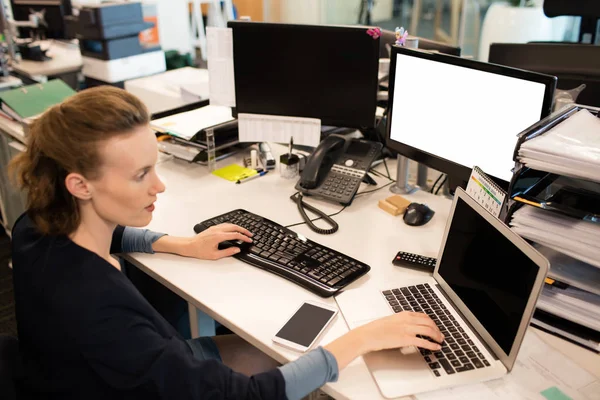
[(234, 172), (554, 393)]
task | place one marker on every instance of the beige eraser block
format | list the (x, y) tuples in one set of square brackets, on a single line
[(389, 208), (399, 202)]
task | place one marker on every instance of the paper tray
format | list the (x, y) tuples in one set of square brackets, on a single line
[(575, 197)]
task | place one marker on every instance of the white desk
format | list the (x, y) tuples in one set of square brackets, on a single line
[(254, 303), (66, 59)]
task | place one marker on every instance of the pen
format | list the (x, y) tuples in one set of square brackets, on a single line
[(251, 177)]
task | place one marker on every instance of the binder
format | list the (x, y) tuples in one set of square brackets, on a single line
[(29, 101), (485, 191)]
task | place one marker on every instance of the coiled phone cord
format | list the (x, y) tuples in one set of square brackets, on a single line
[(297, 198)]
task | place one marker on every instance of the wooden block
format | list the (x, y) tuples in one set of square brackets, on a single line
[(399, 202), (389, 207)]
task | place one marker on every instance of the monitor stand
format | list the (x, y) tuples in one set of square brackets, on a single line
[(402, 186)]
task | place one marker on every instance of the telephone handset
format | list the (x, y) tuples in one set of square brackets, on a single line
[(336, 168)]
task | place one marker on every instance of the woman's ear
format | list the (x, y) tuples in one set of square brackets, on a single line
[(78, 186)]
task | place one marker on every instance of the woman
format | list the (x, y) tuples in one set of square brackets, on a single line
[(85, 331)]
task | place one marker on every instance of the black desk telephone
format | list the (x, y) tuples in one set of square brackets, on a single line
[(336, 168)]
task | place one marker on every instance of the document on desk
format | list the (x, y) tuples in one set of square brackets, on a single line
[(279, 129), (540, 372), (221, 85)]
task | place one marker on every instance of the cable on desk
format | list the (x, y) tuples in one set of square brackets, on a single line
[(386, 169), (316, 218), (379, 174), (374, 190), (302, 206), (435, 183), (441, 184)]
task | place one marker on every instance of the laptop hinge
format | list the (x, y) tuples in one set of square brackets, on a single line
[(469, 324)]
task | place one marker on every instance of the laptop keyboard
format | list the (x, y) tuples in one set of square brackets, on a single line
[(458, 352)]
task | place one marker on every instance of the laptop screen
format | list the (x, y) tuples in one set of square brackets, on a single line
[(489, 273)]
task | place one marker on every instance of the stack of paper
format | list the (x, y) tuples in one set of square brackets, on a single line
[(571, 148), (576, 238), (570, 271), (572, 304), (187, 124)]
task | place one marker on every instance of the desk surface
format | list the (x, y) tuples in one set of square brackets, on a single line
[(254, 303), (66, 57)]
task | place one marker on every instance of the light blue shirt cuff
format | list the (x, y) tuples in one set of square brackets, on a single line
[(139, 240), (308, 373)]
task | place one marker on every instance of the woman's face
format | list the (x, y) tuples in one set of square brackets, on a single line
[(127, 187)]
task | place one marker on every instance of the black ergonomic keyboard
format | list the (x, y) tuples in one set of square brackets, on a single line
[(458, 353), (284, 252)]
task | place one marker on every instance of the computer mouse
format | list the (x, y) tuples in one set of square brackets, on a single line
[(417, 214)]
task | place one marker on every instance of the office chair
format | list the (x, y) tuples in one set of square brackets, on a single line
[(588, 10), (10, 367)]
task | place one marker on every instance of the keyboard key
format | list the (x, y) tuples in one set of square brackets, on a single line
[(463, 360), (428, 359), (394, 303), (438, 354), (436, 372), (466, 347), (461, 341), (454, 346), (397, 309), (446, 365), (471, 354), (477, 363), (481, 356), (456, 363), (334, 281), (451, 357), (434, 365), (486, 363)]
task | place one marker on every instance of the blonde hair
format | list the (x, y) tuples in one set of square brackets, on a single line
[(66, 139)]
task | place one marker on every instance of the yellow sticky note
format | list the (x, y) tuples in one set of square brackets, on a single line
[(234, 172)]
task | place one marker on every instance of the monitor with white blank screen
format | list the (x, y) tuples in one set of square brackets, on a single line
[(462, 113)]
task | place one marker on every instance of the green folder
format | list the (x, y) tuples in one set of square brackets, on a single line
[(29, 101)]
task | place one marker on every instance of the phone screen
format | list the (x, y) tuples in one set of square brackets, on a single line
[(305, 325)]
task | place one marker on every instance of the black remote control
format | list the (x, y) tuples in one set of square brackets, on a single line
[(404, 259)]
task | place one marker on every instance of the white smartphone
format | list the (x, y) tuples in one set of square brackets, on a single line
[(304, 327)]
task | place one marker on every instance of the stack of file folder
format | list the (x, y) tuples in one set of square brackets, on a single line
[(556, 205), (187, 131), (27, 102)]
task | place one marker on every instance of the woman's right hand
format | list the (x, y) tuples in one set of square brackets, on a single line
[(401, 330), (394, 331)]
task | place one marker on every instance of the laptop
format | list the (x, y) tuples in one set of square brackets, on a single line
[(482, 295)]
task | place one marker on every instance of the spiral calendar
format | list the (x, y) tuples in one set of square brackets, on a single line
[(485, 191)]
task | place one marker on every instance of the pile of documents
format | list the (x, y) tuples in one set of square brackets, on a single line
[(576, 238), (571, 148), (570, 301)]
